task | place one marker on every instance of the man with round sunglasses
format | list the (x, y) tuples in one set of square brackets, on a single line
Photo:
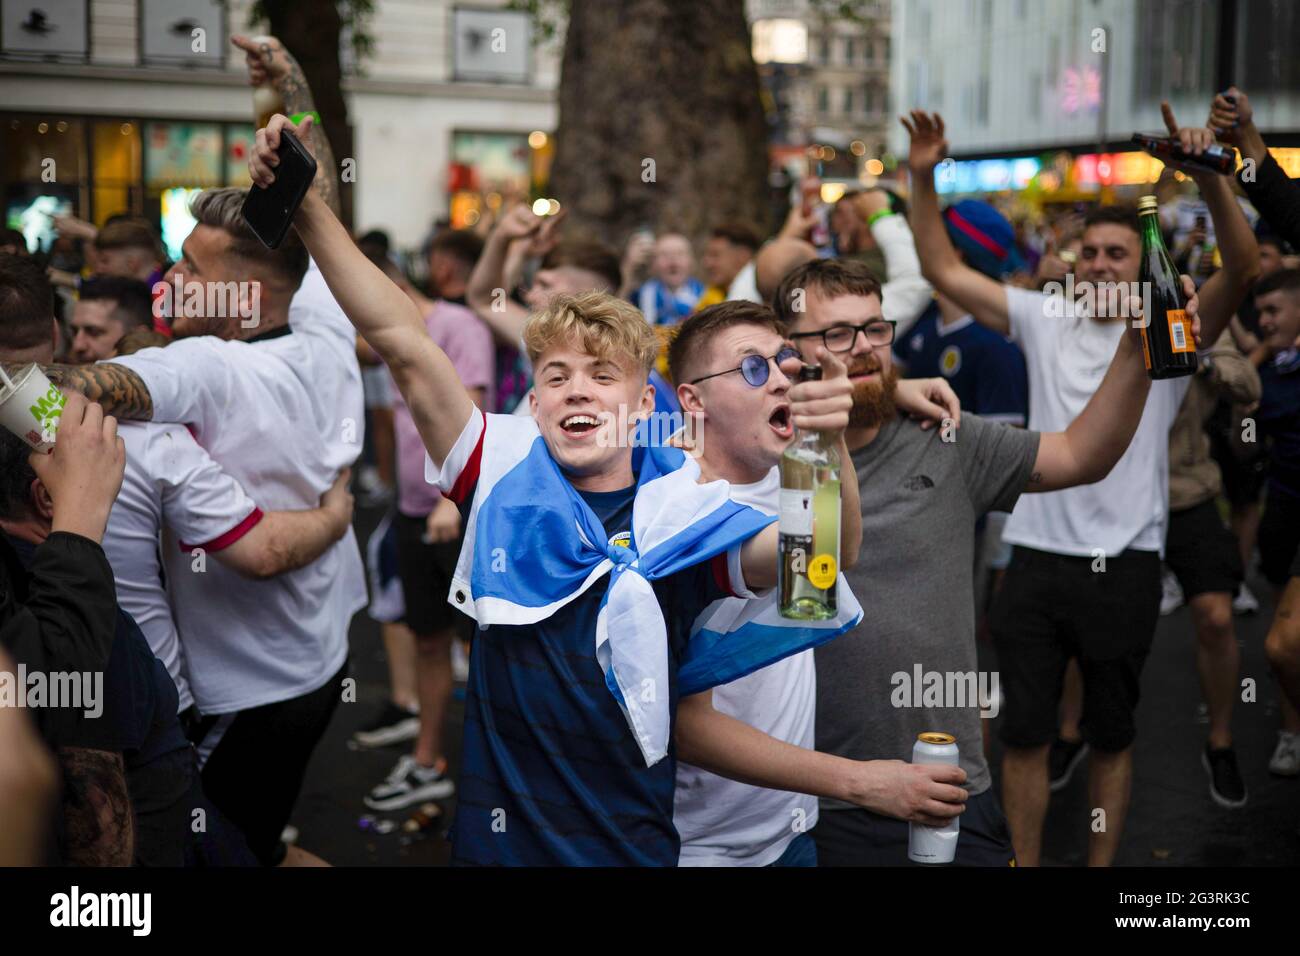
[(920, 495), (735, 366)]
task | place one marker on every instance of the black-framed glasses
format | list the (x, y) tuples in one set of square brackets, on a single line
[(840, 338), (756, 368)]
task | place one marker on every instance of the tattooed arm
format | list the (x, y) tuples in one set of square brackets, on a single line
[(98, 826), (268, 60), (120, 391)]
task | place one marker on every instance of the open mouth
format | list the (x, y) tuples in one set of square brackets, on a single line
[(861, 374), (580, 425), (781, 422)]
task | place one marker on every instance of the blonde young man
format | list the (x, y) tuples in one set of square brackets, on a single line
[(585, 603)]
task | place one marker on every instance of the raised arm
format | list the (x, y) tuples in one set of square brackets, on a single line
[(488, 293), (268, 60), (388, 320), (723, 745), (973, 291), (1223, 292), (1276, 196), (906, 294), (1087, 450)]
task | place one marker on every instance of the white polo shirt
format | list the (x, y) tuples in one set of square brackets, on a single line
[(1067, 355), (726, 823), (282, 416), (169, 480)]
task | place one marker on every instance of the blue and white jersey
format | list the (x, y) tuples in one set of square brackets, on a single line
[(986, 370)]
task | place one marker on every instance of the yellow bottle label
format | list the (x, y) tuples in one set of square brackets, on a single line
[(821, 571)]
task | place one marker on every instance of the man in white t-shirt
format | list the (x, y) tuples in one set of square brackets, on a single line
[(171, 481), (763, 722), (1085, 578), (282, 413)]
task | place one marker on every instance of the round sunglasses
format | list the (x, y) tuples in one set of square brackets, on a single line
[(756, 368)]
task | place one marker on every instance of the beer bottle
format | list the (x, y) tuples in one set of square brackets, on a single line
[(1168, 347), (1216, 158), (809, 524)]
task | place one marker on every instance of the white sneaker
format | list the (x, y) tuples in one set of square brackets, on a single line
[(1245, 602), (409, 783), (1171, 596), (1285, 761)]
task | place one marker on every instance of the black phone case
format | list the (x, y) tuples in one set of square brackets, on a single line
[(269, 212)]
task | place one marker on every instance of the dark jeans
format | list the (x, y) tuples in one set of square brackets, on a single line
[(255, 773)]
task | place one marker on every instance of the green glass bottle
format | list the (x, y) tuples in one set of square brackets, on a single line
[(1168, 347), (809, 523)]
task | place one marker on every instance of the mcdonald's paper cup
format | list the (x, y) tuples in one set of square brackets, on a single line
[(30, 407)]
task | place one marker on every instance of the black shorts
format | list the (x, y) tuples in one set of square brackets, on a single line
[(426, 571), (256, 771), (1243, 467), (1202, 552), (1279, 537), (1054, 607), (862, 838)]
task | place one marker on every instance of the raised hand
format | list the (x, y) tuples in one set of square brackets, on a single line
[(264, 157), (824, 405), (1229, 119), (929, 147), (267, 59)]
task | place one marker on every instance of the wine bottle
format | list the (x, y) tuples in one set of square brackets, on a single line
[(809, 525), (1216, 158), (1168, 347)]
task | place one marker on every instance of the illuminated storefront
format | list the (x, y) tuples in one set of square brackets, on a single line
[(94, 168)]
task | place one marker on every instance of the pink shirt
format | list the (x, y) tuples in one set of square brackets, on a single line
[(468, 343)]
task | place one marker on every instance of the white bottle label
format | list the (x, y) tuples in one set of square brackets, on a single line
[(796, 512)]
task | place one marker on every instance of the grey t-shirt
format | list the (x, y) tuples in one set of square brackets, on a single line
[(921, 497)]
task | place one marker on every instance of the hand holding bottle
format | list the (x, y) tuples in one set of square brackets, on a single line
[(821, 405)]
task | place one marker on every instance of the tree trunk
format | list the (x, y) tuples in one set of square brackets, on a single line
[(310, 30), (661, 121)]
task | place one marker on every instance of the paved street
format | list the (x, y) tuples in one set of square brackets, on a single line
[(1172, 821)]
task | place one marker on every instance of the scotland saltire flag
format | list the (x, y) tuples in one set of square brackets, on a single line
[(738, 635), (532, 545)]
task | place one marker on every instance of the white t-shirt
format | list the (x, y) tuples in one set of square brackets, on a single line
[(282, 416), (1067, 356), (724, 822), (169, 480)]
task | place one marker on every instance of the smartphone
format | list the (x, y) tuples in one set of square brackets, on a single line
[(269, 212)]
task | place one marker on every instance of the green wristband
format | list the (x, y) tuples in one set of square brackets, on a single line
[(297, 118), (875, 217)]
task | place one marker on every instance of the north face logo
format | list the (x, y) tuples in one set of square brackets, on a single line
[(918, 483)]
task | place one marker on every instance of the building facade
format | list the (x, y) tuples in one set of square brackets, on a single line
[(825, 77), (1020, 78), (134, 107)]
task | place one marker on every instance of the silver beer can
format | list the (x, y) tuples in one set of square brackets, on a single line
[(934, 844)]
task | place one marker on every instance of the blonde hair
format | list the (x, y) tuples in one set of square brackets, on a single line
[(600, 324)]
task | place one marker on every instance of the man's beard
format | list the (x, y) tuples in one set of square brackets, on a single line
[(873, 402)]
